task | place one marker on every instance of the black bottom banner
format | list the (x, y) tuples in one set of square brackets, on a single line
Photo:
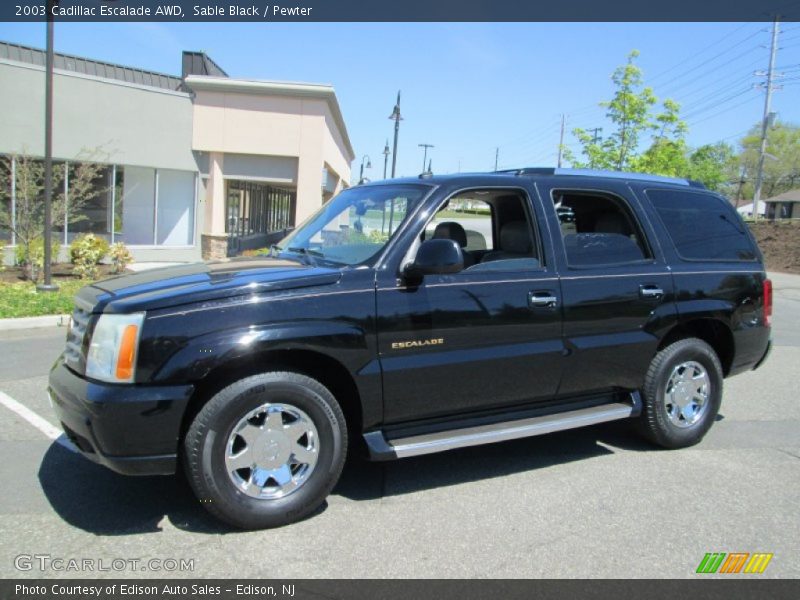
[(395, 589)]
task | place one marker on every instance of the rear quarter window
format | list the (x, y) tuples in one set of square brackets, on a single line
[(703, 226)]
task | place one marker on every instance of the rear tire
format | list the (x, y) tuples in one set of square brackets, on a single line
[(267, 450), (682, 394)]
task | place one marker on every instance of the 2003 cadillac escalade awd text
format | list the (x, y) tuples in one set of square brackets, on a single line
[(418, 315)]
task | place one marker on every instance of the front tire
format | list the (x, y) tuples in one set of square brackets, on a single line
[(267, 450), (682, 394)]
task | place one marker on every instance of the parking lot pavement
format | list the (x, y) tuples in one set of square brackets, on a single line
[(596, 502)]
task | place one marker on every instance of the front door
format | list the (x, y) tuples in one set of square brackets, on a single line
[(484, 338)]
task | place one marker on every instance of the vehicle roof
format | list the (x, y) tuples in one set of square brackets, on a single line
[(510, 176)]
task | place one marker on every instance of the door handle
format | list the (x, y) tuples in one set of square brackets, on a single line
[(542, 300), (651, 292)]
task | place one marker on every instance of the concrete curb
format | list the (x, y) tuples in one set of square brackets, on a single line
[(34, 322)]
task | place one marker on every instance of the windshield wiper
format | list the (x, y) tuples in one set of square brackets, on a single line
[(309, 254)]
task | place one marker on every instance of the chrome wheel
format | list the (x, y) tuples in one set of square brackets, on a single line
[(272, 451), (686, 396)]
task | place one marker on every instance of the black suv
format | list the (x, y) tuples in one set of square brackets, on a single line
[(415, 316)]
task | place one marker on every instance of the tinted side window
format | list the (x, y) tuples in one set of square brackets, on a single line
[(702, 226), (598, 229)]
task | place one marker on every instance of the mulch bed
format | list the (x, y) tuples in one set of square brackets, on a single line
[(780, 244), (59, 271)]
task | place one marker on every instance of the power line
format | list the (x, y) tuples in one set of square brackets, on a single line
[(740, 133), (722, 112), (712, 69), (728, 78), (527, 137), (718, 92), (711, 104), (698, 53), (712, 59)]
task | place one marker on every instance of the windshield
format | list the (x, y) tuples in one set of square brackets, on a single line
[(354, 226)]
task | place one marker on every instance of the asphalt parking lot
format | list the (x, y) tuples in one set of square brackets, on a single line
[(596, 502)]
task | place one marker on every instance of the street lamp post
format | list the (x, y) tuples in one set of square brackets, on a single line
[(364, 159), (425, 154), (386, 153), (397, 118), (47, 285)]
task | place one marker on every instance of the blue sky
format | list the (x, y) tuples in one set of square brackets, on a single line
[(469, 88)]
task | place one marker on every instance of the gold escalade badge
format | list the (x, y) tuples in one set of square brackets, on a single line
[(417, 343)]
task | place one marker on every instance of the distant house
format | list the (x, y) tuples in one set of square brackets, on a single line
[(747, 209), (784, 206)]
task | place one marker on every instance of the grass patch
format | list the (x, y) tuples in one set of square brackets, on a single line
[(22, 300)]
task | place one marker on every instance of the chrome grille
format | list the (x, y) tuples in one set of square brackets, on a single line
[(78, 325)]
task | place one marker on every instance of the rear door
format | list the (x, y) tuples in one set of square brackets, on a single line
[(616, 288), (484, 338)]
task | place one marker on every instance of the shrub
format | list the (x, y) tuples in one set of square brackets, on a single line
[(86, 251), (120, 256), (31, 256), (88, 247), (2, 256)]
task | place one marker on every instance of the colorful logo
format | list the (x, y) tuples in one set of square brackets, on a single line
[(734, 562)]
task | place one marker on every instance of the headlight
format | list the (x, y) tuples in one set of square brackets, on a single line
[(113, 349)]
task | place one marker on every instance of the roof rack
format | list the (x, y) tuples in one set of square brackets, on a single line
[(601, 173)]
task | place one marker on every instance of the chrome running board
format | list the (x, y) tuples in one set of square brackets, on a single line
[(382, 448)]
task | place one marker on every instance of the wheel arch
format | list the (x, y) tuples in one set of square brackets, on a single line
[(317, 365), (715, 332)]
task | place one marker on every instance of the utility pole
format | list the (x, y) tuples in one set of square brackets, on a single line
[(561, 140), (425, 155), (397, 118), (765, 122), (47, 285), (742, 181), (496, 157), (595, 138)]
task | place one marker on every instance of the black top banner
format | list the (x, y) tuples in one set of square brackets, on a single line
[(402, 10)]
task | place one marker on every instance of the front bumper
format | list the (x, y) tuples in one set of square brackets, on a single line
[(131, 429)]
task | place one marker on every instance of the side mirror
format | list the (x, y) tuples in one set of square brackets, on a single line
[(436, 257)]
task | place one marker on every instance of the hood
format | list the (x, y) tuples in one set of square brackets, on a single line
[(201, 282)]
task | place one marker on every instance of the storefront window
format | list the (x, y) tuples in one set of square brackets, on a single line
[(175, 208), (135, 205), (138, 202), (90, 209)]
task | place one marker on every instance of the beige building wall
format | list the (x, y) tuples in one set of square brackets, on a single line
[(115, 121), (271, 122)]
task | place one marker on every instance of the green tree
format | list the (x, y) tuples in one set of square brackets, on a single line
[(28, 224), (715, 166), (630, 113), (647, 139), (781, 166), (668, 153)]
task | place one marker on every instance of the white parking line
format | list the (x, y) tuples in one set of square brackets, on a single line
[(51, 431)]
